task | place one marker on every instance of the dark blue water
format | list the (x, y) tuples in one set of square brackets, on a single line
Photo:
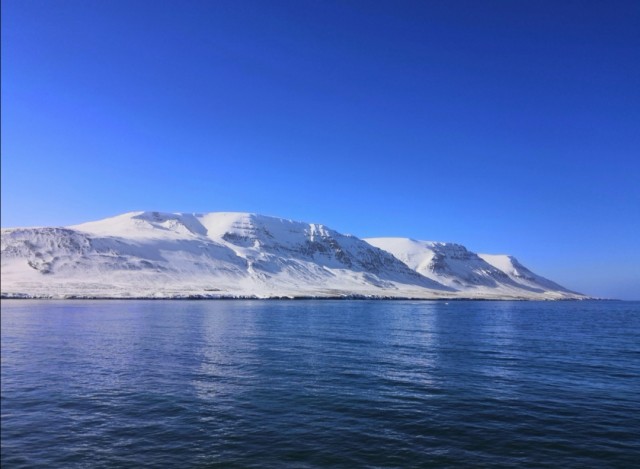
[(320, 383)]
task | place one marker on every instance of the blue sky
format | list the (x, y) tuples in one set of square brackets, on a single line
[(510, 127)]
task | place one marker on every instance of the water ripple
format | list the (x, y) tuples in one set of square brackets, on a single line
[(320, 383)]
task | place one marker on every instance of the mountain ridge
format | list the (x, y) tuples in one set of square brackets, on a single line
[(237, 254)]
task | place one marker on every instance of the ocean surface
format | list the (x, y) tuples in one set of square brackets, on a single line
[(320, 384)]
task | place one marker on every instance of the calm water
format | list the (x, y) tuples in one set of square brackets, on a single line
[(320, 383)]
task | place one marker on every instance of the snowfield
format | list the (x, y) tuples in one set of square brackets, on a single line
[(224, 255)]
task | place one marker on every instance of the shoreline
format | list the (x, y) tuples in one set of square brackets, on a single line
[(276, 298)]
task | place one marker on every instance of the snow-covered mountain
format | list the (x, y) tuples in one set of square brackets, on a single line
[(168, 255), (476, 274)]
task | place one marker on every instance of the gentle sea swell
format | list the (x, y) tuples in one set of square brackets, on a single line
[(320, 383)]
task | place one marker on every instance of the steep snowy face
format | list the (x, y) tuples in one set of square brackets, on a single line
[(275, 245), (258, 235), (452, 264), (456, 266), (39, 248), (520, 274)]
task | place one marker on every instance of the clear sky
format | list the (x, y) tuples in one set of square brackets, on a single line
[(507, 126)]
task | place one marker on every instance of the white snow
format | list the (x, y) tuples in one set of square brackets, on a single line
[(481, 274), (228, 254)]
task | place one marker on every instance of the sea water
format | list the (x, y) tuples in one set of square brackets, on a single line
[(320, 383)]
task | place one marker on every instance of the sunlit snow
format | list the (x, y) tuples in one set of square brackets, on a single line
[(173, 255)]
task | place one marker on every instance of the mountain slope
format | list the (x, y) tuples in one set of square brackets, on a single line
[(479, 274), (520, 274), (167, 255), (152, 254)]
